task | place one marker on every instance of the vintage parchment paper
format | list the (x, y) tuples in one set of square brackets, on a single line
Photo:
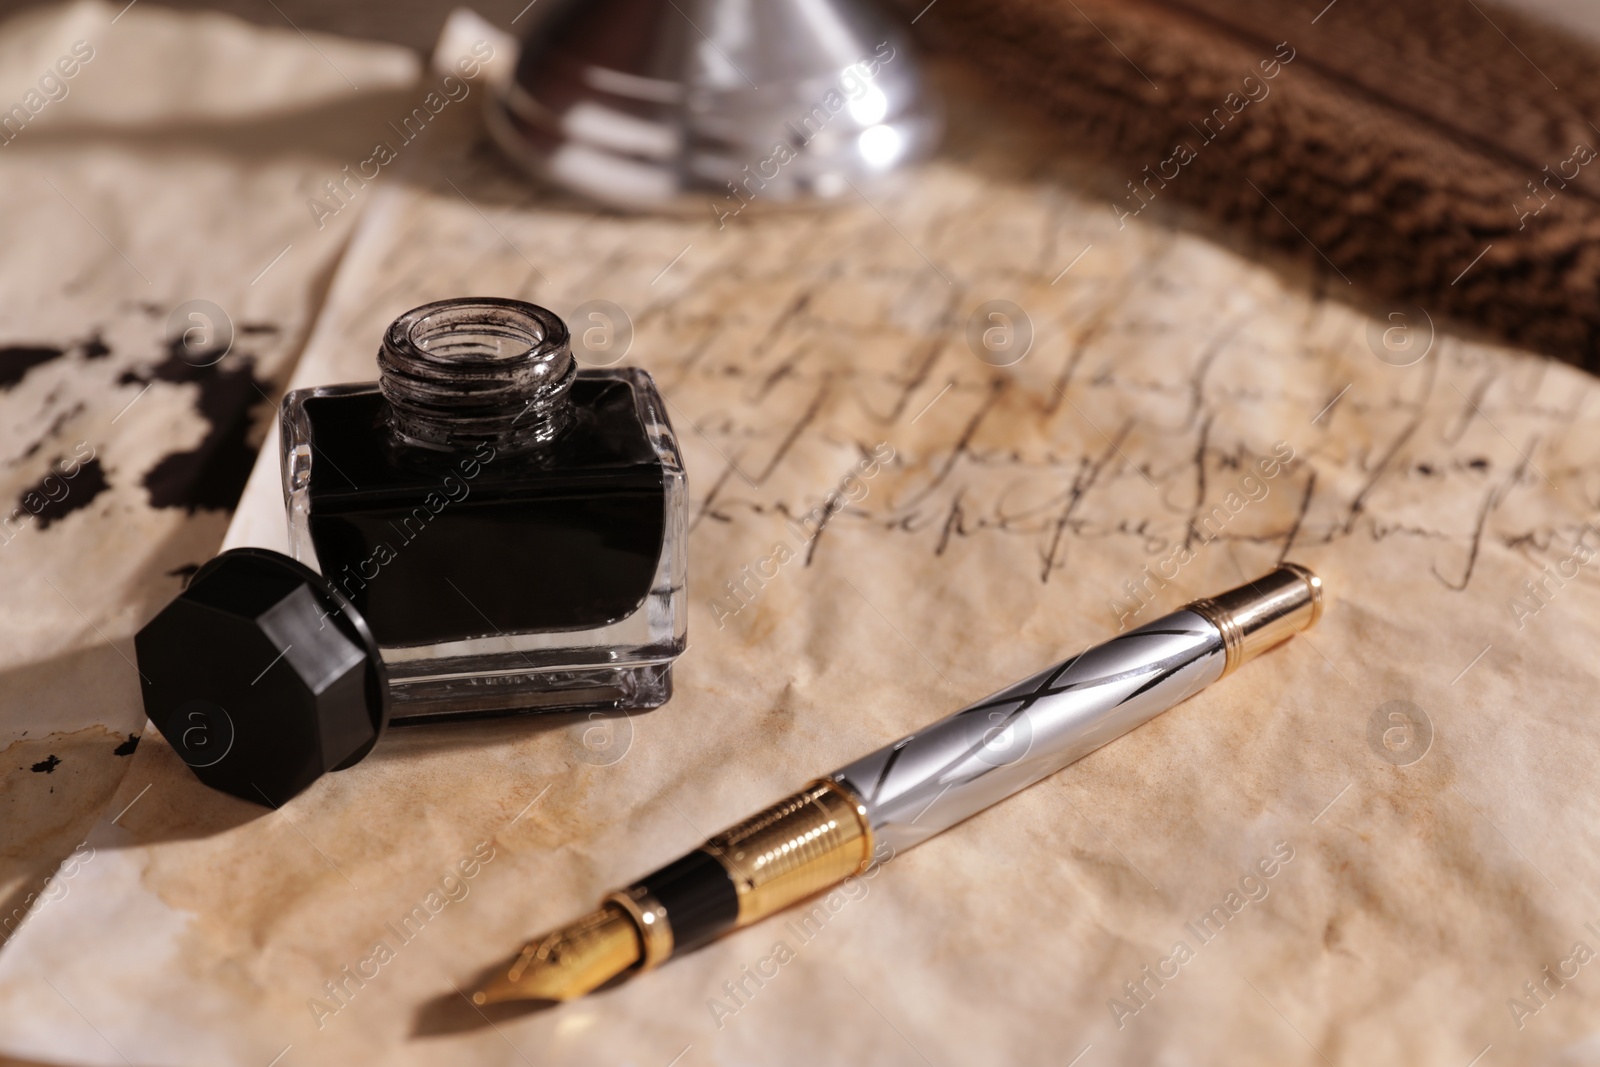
[(163, 176), (1422, 870)]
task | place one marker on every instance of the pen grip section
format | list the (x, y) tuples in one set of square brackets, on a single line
[(797, 847), (689, 901)]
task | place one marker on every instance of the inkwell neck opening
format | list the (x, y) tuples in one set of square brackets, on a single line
[(460, 373)]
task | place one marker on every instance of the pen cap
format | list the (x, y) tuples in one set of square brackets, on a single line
[(1260, 614), (262, 676)]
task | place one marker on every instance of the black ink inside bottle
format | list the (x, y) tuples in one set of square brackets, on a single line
[(431, 546)]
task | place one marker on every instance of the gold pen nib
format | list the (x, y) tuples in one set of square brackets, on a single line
[(569, 962)]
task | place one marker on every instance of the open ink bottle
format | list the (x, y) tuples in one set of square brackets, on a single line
[(510, 527), (485, 530)]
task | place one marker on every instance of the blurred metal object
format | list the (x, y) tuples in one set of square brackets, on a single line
[(685, 105)]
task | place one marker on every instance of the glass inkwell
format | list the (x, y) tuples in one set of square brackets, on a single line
[(510, 527), (486, 530)]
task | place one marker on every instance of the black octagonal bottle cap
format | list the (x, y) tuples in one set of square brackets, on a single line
[(262, 676)]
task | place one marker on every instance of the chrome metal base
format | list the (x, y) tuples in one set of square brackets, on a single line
[(715, 105)]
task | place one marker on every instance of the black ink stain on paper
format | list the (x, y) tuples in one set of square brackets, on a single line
[(82, 487), (95, 347), (211, 475), (17, 360)]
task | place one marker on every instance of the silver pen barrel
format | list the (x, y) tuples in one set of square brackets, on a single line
[(927, 782)]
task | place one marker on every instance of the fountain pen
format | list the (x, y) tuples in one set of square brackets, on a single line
[(908, 791)]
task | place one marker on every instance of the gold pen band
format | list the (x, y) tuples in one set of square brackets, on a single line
[(649, 918), (1256, 616), (784, 853), (798, 846)]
